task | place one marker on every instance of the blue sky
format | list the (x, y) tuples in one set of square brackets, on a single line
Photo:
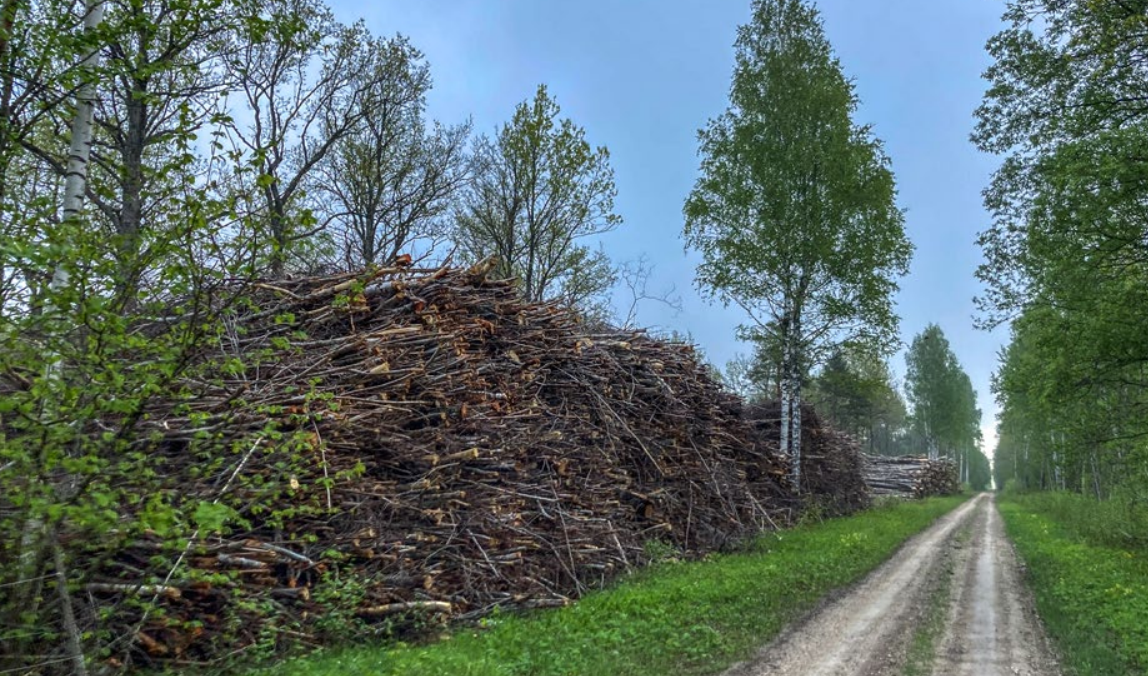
[(642, 76)]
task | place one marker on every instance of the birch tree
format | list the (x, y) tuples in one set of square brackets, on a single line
[(795, 211), (945, 414)]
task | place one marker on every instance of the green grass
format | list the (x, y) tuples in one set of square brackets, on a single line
[(1093, 597), (671, 619)]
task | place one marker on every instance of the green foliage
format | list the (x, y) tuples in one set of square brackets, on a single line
[(1117, 523), (794, 213), (104, 314), (855, 391), (680, 618), (1067, 253), (1093, 598), (944, 406), (540, 189)]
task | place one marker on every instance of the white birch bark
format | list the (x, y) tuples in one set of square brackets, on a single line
[(796, 371), (76, 176), (795, 434), (75, 185), (785, 401)]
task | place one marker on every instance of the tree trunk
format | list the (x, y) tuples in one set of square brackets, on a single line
[(1095, 475), (33, 541), (783, 385), (795, 434), (72, 638), (793, 373), (130, 223), (76, 176)]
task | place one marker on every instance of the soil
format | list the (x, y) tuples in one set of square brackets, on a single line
[(992, 628)]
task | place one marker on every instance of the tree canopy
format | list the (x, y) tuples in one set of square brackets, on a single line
[(1067, 252), (539, 190), (943, 403), (795, 211)]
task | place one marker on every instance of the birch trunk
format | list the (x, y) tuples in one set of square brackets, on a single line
[(33, 541), (795, 433), (783, 385), (76, 177), (793, 371)]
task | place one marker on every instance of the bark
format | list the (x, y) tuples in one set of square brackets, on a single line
[(7, 23), (796, 371), (790, 383), (73, 638), (130, 222), (786, 413), (795, 434), (1095, 476), (7, 85), (76, 175)]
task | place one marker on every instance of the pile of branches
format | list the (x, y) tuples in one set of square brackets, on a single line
[(831, 463), (432, 445), (910, 476)]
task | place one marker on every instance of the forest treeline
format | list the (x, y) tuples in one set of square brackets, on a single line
[(1066, 258)]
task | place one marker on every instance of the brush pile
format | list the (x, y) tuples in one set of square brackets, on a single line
[(910, 476), (447, 447), (831, 461)]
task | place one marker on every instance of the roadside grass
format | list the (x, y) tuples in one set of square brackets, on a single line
[(1093, 597), (922, 652), (674, 618)]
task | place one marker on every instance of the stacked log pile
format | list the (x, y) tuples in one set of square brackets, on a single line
[(910, 476), (443, 443)]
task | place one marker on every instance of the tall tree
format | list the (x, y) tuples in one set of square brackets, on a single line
[(539, 191), (308, 83), (795, 213), (164, 81), (391, 180), (944, 403)]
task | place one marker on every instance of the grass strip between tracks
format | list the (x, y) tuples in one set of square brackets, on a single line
[(926, 640), (673, 618), (1093, 598)]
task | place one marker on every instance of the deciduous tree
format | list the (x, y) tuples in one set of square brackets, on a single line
[(540, 191), (391, 180), (795, 211), (308, 82)]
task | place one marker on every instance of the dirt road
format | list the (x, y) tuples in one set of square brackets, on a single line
[(963, 561)]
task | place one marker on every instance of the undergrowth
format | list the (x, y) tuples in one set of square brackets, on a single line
[(1092, 595), (673, 618)]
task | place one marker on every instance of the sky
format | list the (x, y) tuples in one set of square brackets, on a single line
[(642, 76)]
